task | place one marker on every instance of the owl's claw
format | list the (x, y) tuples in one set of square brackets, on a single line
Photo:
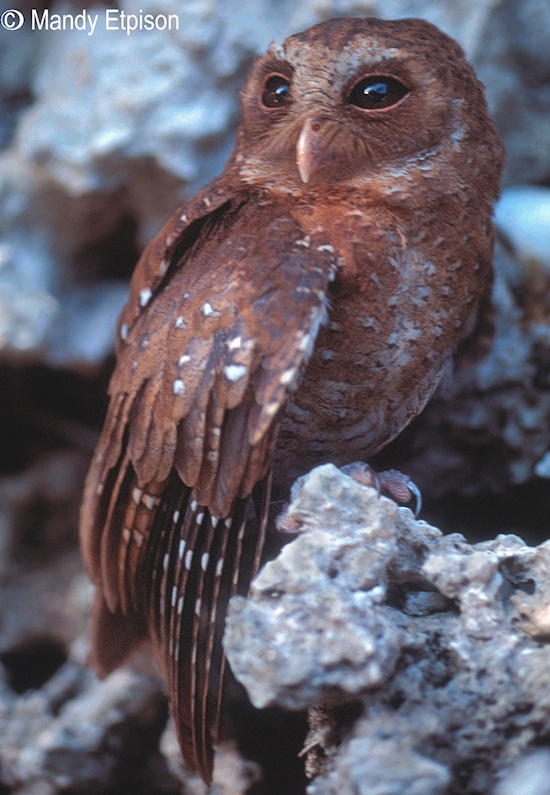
[(401, 489), (364, 474), (395, 484)]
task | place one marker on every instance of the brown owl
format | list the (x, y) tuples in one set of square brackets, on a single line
[(301, 309)]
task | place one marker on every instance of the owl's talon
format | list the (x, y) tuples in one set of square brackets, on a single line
[(286, 524), (401, 489), (395, 484), (363, 473)]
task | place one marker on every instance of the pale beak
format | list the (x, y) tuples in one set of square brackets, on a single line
[(307, 149)]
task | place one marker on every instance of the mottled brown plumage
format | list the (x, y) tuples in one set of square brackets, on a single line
[(301, 309)]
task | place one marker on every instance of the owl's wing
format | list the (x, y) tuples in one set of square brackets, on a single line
[(223, 313)]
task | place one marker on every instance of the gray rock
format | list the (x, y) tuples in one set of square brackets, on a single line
[(327, 589), (385, 762), (81, 734), (523, 216), (460, 650), (514, 68), (530, 776)]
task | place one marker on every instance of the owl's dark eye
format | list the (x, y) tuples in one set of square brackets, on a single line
[(377, 92), (276, 92)]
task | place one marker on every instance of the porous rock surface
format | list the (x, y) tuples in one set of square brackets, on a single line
[(442, 645)]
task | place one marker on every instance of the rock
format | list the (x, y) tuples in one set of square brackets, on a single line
[(530, 776), (460, 651), (515, 69), (80, 734), (523, 216), (377, 763), (39, 511), (83, 333), (314, 631)]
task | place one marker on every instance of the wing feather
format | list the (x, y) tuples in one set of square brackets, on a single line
[(176, 500)]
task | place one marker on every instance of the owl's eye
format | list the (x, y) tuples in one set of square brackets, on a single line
[(276, 92), (377, 92)]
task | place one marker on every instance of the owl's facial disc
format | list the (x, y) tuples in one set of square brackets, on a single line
[(318, 127)]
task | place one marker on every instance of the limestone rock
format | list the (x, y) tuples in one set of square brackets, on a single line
[(460, 651)]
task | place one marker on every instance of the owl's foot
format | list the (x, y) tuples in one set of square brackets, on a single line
[(394, 484)]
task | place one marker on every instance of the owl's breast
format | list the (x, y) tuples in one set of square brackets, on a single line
[(393, 325)]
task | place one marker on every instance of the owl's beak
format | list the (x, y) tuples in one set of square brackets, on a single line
[(307, 149)]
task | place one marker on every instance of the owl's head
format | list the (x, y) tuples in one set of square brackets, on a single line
[(349, 98)]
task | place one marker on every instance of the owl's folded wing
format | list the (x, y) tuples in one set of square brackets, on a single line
[(207, 358)]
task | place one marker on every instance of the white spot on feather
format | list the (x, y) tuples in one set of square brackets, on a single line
[(136, 494), (175, 517), (303, 345), (165, 561), (180, 322), (189, 559), (184, 359), (149, 501), (234, 344), (204, 561), (288, 376), (271, 409), (124, 331), (233, 372), (198, 606), (178, 387), (208, 310), (145, 296), (219, 567), (181, 550)]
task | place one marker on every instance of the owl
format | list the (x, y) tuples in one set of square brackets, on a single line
[(300, 309)]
